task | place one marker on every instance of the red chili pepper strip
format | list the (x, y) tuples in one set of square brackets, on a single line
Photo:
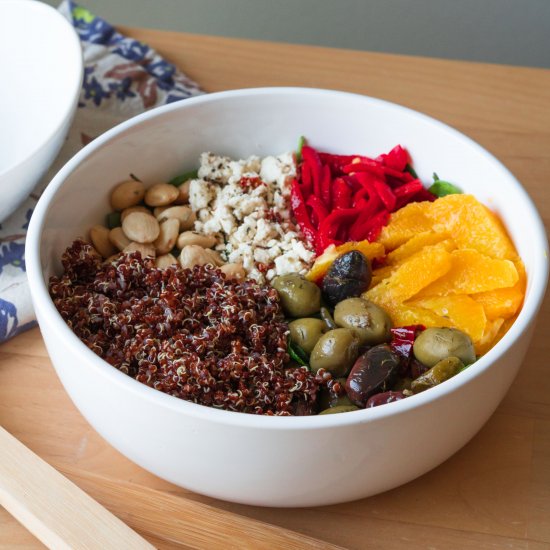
[(362, 225), (300, 212), (386, 194), (423, 195), (326, 184), (408, 189), (318, 207), (366, 180), (402, 343), (397, 158), (341, 194), (376, 224), (307, 182), (371, 226), (337, 160), (352, 182), (401, 176), (311, 158), (407, 192), (330, 226), (371, 166)]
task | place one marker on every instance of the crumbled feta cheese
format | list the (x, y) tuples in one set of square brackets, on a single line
[(245, 204)]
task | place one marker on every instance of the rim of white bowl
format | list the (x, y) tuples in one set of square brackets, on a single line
[(73, 60), (42, 300)]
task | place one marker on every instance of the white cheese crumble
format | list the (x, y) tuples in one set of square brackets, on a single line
[(245, 205)]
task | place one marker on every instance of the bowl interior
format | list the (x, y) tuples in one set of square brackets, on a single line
[(162, 143), (40, 74)]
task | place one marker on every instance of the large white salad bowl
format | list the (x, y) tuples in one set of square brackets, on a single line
[(278, 461)]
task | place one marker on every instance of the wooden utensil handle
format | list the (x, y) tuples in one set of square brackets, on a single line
[(53, 508), (182, 522)]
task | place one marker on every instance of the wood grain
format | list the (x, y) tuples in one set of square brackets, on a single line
[(495, 492), (55, 510)]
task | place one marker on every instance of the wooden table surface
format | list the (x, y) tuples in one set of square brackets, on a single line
[(495, 492)]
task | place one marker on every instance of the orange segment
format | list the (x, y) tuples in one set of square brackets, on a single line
[(405, 224), (378, 275), (472, 225), (415, 244), (504, 302), (472, 272), (489, 338), (413, 275), (463, 313), (406, 314), (324, 261)]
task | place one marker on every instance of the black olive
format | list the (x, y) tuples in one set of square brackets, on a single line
[(375, 371), (348, 276)]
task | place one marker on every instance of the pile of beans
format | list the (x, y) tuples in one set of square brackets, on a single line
[(157, 221), (192, 333)]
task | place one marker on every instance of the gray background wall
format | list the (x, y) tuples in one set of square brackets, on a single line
[(515, 32)]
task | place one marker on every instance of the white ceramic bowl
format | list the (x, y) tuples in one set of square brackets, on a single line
[(277, 461), (41, 70)]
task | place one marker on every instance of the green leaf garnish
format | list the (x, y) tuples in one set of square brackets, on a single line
[(298, 354), (113, 220), (178, 180), (301, 143), (411, 171), (443, 188)]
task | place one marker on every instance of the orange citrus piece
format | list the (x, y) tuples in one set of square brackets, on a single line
[(405, 224), (472, 272), (414, 274), (472, 225), (504, 302), (489, 338), (463, 313), (415, 244)]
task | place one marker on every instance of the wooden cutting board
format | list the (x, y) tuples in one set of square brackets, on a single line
[(493, 494)]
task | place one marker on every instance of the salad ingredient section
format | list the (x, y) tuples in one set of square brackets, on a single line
[(448, 264), (294, 284)]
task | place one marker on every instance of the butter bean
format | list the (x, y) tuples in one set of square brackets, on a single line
[(214, 256), (127, 194), (233, 271), (158, 210), (99, 235), (166, 260), (183, 214), (146, 249), (183, 197), (118, 238), (192, 237), (127, 211), (161, 194), (141, 227), (193, 255), (168, 235)]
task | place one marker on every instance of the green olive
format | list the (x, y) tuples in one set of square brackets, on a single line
[(370, 323), (402, 384), (299, 297), (340, 409), (434, 344), (305, 332), (441, 371), (335, 351)]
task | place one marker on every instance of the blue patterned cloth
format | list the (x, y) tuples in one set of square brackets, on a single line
[(122, 78)]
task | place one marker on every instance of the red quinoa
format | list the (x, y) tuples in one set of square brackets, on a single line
[(190, 333)]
